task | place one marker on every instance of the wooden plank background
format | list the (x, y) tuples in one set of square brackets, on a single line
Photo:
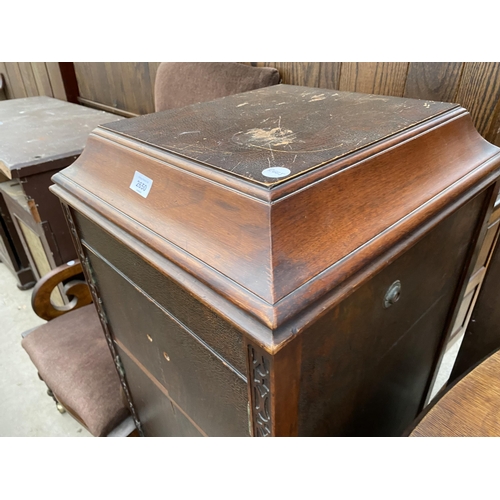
[(29, 79), (120, 87), (127, 88)]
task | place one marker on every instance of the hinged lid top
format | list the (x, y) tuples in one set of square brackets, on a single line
[(290, 128)]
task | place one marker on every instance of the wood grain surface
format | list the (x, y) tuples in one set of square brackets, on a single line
[(119, 85), (298, 128), (435, 80), (129, 86), (479, 92), (306, 72), (471, 408), (40, 130), (76, 289), (29, 79), (374, 78), (56, 81)]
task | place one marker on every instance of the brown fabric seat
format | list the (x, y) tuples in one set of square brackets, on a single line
[(72, 357), (181, 84)]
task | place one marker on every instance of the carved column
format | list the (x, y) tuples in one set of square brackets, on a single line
[(87, 271)]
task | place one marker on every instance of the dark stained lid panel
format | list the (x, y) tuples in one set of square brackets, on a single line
[(288, 129)]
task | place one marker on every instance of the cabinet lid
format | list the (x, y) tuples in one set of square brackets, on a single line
[(271, 135)]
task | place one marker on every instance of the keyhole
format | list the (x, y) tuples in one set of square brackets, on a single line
[(393, 294)]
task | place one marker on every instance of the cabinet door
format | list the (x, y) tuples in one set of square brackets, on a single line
[(185, 368), (365, 366)]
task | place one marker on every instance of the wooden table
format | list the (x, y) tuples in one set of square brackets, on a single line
[(469, 408), (39, 136)]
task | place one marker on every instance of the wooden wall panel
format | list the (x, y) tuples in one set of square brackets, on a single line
[(42, 79), (329, 75), (56, 81), (436, 81), (153, 68), (495, 131), (387, 78), (128, 88), (29, 79), (95, 83), (295, 73), (479, 93), (16, 84), (117, 86), (309, 74)]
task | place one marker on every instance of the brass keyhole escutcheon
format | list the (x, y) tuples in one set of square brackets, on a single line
[(392, 295)]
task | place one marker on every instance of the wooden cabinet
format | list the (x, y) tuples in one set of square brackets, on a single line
[(40, 136), (281, 262)]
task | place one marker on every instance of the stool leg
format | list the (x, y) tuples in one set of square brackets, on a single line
[(59, 406)]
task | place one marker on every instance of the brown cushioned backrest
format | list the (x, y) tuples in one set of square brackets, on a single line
[(182, 84)]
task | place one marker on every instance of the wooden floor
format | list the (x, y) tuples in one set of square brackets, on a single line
[(470, 408)]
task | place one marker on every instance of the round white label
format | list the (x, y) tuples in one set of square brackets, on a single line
[(276, 172)]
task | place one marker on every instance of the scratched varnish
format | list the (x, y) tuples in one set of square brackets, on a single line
[(128, 87), (298, 128)]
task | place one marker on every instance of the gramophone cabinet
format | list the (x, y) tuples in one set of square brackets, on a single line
[(282, 262)]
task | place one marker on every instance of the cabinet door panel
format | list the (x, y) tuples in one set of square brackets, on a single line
[(199, 381), (367, 367)]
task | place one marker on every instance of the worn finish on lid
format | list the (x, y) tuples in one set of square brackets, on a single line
[(292, 127), (52, 129)]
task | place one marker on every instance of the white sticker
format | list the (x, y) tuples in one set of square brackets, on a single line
[(141, 184), (276, 172)]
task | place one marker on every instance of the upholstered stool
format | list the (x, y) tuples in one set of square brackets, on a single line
[(72, 357)]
